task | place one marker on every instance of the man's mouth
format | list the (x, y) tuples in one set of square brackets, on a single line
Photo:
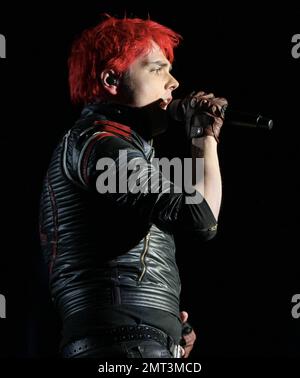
[(165, 102)]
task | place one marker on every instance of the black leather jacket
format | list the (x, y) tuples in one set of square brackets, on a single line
[(113, 248)]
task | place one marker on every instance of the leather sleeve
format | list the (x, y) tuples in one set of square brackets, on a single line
[(154, 199)]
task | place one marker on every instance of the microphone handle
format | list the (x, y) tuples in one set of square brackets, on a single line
[(235, 118)]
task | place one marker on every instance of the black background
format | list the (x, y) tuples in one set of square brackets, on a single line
[(238, 287)]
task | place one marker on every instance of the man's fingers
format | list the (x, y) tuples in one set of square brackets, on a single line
[(200, 93), (203, 96), (221, 101), (200, 96), (183, 352), (189, 343), (184, 316), (209, 101), (215, 106)]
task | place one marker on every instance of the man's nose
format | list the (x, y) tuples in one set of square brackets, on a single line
[(172, 83)]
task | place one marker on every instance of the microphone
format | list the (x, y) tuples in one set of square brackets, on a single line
[(177, 111), (235, 118)]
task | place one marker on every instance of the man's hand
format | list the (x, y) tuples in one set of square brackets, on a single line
[(205, 113), (187, 338)]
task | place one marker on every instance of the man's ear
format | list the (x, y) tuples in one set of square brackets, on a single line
[(110, 81)]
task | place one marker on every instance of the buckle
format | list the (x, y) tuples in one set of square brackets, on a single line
[(176, 351)]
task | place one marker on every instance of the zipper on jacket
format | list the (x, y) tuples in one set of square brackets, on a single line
[(143, 255)]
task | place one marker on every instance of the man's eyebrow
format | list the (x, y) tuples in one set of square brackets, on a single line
[(161, 63)]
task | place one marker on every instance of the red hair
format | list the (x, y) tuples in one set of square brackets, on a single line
[(113, 44)]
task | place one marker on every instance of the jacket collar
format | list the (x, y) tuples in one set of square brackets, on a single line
[(124, 121), (148, 121)]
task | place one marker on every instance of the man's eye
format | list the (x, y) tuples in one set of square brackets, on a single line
[(157, 70)]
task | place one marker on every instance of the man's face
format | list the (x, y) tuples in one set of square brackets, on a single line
[(148, 79)]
